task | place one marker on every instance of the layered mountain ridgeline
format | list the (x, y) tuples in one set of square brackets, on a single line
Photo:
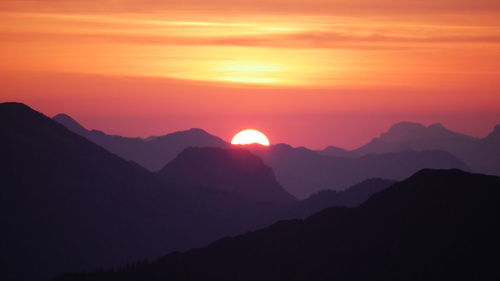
[(350, 197), (152, 153), (241, 172), (69, 204), (480, 154), (303, 172), (436, 225)]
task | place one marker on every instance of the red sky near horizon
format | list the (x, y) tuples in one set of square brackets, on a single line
[(308, 73)]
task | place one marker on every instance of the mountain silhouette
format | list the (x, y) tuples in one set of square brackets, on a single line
[(68, 204), (234, 170), (481, 155), (350, 197), (152, 153), (494, 137), (300, 171), (435, 225), (303, 172)]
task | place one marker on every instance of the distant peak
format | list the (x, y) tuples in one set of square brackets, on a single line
[(402, 130), (192, 131), (334, 149), (197, 130), (11, 112), (495, 134), (70, 123), (438, 126), (63, 116), (405, 125), (425, 174), (14, 106), (282, 146)]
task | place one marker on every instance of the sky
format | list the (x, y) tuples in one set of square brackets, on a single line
[(305, 72)]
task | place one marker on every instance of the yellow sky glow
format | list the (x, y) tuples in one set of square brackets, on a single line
[(304, 50)]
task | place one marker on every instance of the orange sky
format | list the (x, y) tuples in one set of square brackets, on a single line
[(308, 73)]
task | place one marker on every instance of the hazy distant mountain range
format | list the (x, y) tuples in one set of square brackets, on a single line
[(480, 154), (67, 204), (151, 153), (301, 171), (436, 225)]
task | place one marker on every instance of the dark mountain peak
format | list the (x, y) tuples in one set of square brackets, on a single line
[(437, 130), (63, 117), (335, 151), (191, 132), (350, 197), (436, 174), (405, 126), (495, 134), (196, 131), (12, 110), (24, 120), (437, 126), (402, 130), (437, 185), (409, 131), (4, 106), (192, 137), (282, 146), (70, 123), (234, 170)]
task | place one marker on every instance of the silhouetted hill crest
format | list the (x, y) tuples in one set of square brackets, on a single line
[(435, 225), (494, 135), (236, 170)]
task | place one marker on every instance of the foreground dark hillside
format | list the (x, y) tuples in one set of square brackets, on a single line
[(436, 225)]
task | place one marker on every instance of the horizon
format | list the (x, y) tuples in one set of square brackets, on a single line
[(228, 140)]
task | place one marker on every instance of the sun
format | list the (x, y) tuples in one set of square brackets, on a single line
[(250, 136)]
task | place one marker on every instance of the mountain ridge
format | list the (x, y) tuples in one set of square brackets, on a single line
[(435, 225), (153, 152), (480, 154)]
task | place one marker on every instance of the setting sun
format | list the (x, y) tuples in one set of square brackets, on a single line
[(250, 136)]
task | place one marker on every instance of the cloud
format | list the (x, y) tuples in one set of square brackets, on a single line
[(299, 40)]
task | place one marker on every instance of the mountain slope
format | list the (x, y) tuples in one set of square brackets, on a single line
[(436, 225), (351, 197), (152, 153), (303, 172), (233, 170), (482, 155)]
